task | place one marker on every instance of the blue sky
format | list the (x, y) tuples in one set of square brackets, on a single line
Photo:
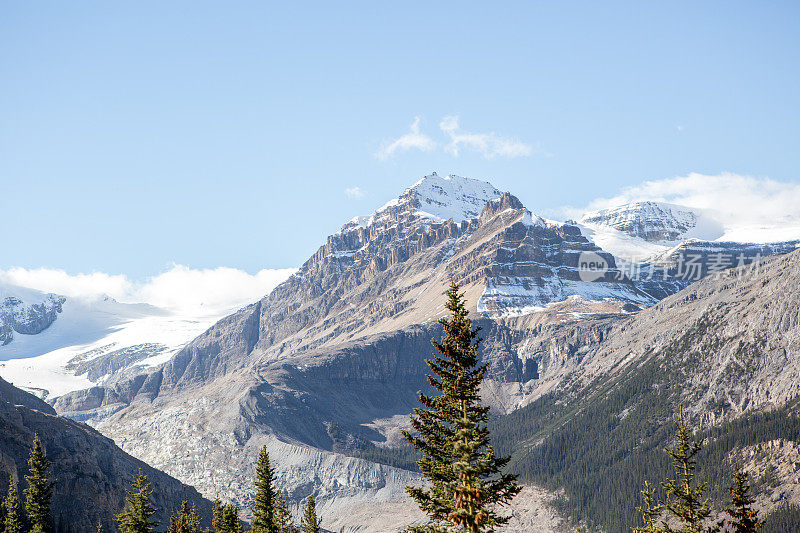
[(206, 134)]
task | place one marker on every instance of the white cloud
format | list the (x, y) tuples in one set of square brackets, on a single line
[(354, 192), (489, 145), (91, 285), (181, 289), (414, 139), (749, 208)]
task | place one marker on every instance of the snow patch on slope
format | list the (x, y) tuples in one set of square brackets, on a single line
[(620, 244), (509, 297)]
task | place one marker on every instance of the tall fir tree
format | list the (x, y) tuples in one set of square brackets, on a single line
[(230, 519), (186, 520), (466, 482), (216, 515), (310, 522), (225, 518), (139, 510), (742, 518), (13, 515), (264, 509), (650, 512), (686, 501), (284, 522), (39, 491)]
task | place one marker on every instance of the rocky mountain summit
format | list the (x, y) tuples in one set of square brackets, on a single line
[(665, 247), (90, 472)]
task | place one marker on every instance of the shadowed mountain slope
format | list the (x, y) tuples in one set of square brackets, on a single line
[(90, 472)]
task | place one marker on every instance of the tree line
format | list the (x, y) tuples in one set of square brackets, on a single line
[(271, 513)]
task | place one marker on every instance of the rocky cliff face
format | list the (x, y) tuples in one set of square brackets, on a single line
[(26, 312), (90, 472)]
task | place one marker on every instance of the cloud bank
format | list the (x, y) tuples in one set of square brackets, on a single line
[(180, 289)]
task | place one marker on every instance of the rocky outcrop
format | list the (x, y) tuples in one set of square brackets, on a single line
[(114, 363), (90, 472), (735, 339), (26, 312)]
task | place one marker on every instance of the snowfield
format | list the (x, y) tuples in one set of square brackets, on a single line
[(123, 336)]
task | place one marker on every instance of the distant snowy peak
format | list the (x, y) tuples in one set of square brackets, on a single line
[(650, 221), (437, 199), (26, 311)]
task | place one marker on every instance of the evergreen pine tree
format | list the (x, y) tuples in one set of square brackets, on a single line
[(283, 516), (185, 521), (264, 510), (40, 489), (13, 515), (230, 519), (225, 518), (466, 484), (650, 512), (216, 516), (310, 522), (138, 509), (742, 517), (685, 502)]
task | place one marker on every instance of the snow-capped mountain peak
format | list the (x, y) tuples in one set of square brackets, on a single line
[(436, 199), (450, 197), (656, 221)]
